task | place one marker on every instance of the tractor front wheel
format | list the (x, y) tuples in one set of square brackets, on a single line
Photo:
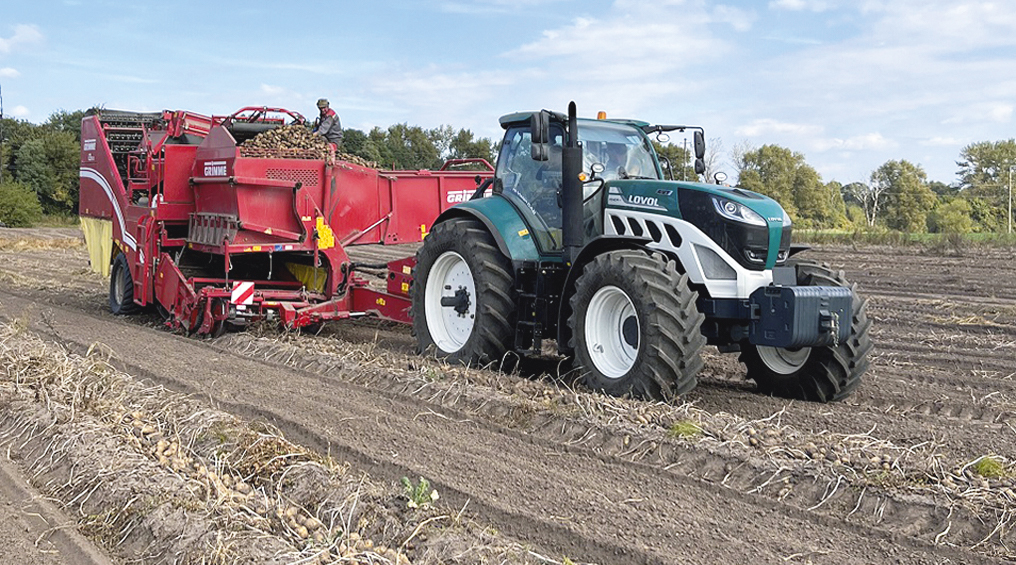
[(463, 295), (820, 374), (121, 287), (635, 327)]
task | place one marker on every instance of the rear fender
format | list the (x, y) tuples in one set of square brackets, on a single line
[(598, 246)]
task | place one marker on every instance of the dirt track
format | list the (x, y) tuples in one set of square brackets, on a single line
[(882, 477)]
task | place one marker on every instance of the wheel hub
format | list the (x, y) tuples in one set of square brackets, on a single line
[(460, 301)]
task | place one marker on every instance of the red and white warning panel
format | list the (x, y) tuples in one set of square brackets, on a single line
[(243, 293)]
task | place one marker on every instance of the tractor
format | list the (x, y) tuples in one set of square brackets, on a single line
[(580, 240)]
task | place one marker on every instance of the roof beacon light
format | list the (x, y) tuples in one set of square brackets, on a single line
[(601, 115)]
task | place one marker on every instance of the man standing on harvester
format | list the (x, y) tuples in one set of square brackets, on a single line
[(327, 125)]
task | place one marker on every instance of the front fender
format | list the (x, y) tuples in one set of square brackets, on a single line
[(503, 222)]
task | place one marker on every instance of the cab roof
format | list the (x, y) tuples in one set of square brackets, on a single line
[(519, 118)]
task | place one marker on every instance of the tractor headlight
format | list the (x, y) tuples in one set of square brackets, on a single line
[(738, 212), (786, 219)]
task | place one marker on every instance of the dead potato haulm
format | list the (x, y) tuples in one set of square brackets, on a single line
[(95, 436), (916, 467)]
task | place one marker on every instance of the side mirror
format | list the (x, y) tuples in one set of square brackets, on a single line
[(700, 166), (539, 130), (700, 148)]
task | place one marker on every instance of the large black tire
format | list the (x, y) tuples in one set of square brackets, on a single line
[(121, 287), (819, 374), (463, 295), (635, 328)]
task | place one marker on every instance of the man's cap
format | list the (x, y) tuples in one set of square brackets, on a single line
[(322, 103)]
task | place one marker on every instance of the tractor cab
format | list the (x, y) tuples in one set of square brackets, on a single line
[(611, 151)]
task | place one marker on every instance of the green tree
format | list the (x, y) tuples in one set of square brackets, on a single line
[(19, 206), (838, 207), (65, 121), (681, 163), (907, 196), (987, 216), (784, 175), (942, 189), (405, 147), (465, 146), (952, 216), (355, 142), (13, 133), (48, 164), (984, 168)]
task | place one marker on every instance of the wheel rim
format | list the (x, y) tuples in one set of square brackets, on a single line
[(784, 361), (612, 332), (450, 304)]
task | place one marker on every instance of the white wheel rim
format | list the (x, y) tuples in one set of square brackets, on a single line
[(609, 315), (449, 278), (783, 361)]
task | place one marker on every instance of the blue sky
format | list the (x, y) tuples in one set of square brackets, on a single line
[(850, 84)]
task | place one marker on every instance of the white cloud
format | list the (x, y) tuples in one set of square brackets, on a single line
[(8, 72), (1001, 113), (740, 20), (489, 6), (939, 141), (980, 112), (865, 142), (20, 112), (800, 5), (767, 126), (272, 90), (24, 34)]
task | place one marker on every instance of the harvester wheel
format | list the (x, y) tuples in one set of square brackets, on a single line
[(463, 295), (820, 374), (635, 327), (121, 287)]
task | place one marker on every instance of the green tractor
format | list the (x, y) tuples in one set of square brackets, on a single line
[(582, 241)]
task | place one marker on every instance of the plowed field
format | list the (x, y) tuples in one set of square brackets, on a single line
[(916, 467)]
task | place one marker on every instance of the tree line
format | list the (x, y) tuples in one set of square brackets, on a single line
[(896, 196), (39, 176)]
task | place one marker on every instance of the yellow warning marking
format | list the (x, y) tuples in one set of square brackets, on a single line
[(405, 287), (407, 270), (257, 248), (326, 238), (380, 301), (523, 233)]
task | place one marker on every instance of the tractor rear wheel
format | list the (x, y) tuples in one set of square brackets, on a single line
[(635, 328), (463, 295), (121, 287), (820, 374)]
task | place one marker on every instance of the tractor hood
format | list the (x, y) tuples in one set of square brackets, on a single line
[(753, 228)]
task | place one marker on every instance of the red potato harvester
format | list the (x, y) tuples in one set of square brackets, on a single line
[(180, 215)]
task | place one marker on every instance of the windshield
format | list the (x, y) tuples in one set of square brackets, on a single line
[(621, 149)]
